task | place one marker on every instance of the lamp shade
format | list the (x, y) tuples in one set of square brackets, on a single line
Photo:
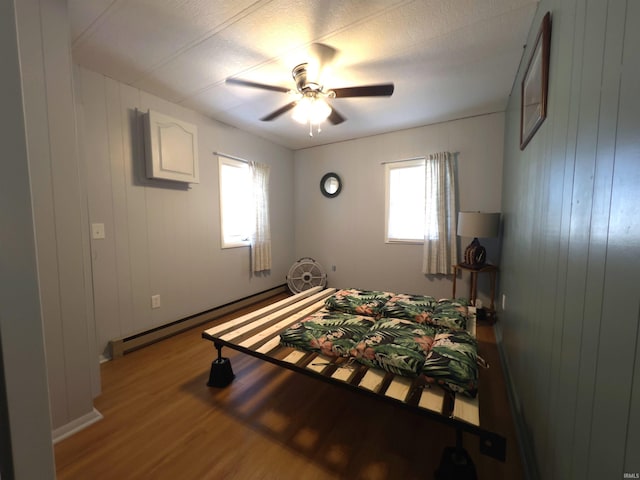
[(478, 224)]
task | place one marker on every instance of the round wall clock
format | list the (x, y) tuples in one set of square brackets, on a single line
[(330, 185)]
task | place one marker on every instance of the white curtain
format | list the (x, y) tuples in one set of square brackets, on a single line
[(261, 240), (440, 246)]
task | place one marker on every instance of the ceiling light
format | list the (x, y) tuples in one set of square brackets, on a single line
[(311, 109)]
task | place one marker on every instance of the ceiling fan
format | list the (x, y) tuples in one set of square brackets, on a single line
[(311, 106)]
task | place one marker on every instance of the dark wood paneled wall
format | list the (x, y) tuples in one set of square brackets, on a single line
[(572, 247)]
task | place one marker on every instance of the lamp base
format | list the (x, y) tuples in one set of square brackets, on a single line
[(475, 255)]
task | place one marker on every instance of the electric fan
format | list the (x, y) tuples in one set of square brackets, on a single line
[(304, 274)]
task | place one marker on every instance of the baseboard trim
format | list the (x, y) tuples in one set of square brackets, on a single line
[(121, 346), (76, 425), (524, 443)]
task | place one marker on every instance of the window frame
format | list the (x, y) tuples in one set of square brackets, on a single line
[(229, 162), (387, 172)]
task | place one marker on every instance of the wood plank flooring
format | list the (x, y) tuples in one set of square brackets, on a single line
[(161, 421)]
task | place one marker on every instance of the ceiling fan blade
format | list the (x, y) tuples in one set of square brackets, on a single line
[(382, 90), (335, 118), (247, 83), (322, 56), (275, 114), (323, 53)]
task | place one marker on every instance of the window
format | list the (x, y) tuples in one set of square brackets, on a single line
[(406, 203), (236, 202)]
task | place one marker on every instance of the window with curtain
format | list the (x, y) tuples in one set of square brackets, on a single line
[(420, 208), (244, 209)]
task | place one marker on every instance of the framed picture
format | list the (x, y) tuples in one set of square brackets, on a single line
[(533, 96)]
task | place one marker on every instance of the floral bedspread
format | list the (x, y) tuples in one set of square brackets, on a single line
[(409, 335)]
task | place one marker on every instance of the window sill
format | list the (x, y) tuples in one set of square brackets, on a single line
[(403, 242), (235, 245)]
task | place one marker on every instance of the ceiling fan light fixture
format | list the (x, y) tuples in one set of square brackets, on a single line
[(311, 109)]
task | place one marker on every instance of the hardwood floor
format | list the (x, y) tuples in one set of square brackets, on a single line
[(162, 422)]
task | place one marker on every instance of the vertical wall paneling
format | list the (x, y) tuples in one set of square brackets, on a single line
[(59, 210), (133, 219), (35, 105), (594, 321), (162, 237), (26, 420), (586, 78), (617, 347), (628, 137), (117, 128), (68, 207), (556, 238), (96, 384), (570, 329), (97, 151)]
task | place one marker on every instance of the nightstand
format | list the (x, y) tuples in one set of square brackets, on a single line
[(492, 270)]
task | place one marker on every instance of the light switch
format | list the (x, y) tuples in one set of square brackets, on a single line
[(97, 231)]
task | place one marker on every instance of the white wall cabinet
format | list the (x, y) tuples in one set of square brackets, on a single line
[(171, 148)]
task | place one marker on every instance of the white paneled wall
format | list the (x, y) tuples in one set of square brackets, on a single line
[(348, 231), (163, 238)]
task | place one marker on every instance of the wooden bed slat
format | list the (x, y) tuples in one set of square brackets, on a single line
[(399, 388), (270, 345), (274, 307), (466, 409), (372, 380), (432, 399), (343, 372), (295, 356), (272, 317), (320, 363), (274, 330)]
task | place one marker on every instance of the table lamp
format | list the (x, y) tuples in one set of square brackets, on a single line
[(477, 224)]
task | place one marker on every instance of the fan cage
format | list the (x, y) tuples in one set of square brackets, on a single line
[(304, 274)]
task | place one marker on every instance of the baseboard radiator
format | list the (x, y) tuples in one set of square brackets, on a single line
[(120, 346)]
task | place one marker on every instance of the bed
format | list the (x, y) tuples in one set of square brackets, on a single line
[(415, 351)]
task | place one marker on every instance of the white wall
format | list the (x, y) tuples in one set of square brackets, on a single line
[(39, 140), (24, 410), (59, 210), (162, 237), (348, 231)]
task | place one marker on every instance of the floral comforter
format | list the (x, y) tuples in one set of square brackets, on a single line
[(409, 335)]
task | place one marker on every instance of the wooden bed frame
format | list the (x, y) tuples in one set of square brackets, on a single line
[(257, 334)]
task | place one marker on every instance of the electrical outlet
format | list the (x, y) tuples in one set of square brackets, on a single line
[(97, 231), (155, 301), (333, 268)]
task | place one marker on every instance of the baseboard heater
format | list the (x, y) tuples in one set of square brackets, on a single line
[(120, 346)]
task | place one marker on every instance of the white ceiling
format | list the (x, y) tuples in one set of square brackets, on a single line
[(447, 58)]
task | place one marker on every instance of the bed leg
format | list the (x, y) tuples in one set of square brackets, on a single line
[(221, 373), (456, 464)]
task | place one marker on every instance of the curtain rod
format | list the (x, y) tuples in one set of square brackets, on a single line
[(421, 157), (232, 157)]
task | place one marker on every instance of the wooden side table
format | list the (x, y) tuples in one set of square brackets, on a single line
[(492, 270)]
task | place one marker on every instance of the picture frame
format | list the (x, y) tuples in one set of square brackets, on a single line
[(535, 83)]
